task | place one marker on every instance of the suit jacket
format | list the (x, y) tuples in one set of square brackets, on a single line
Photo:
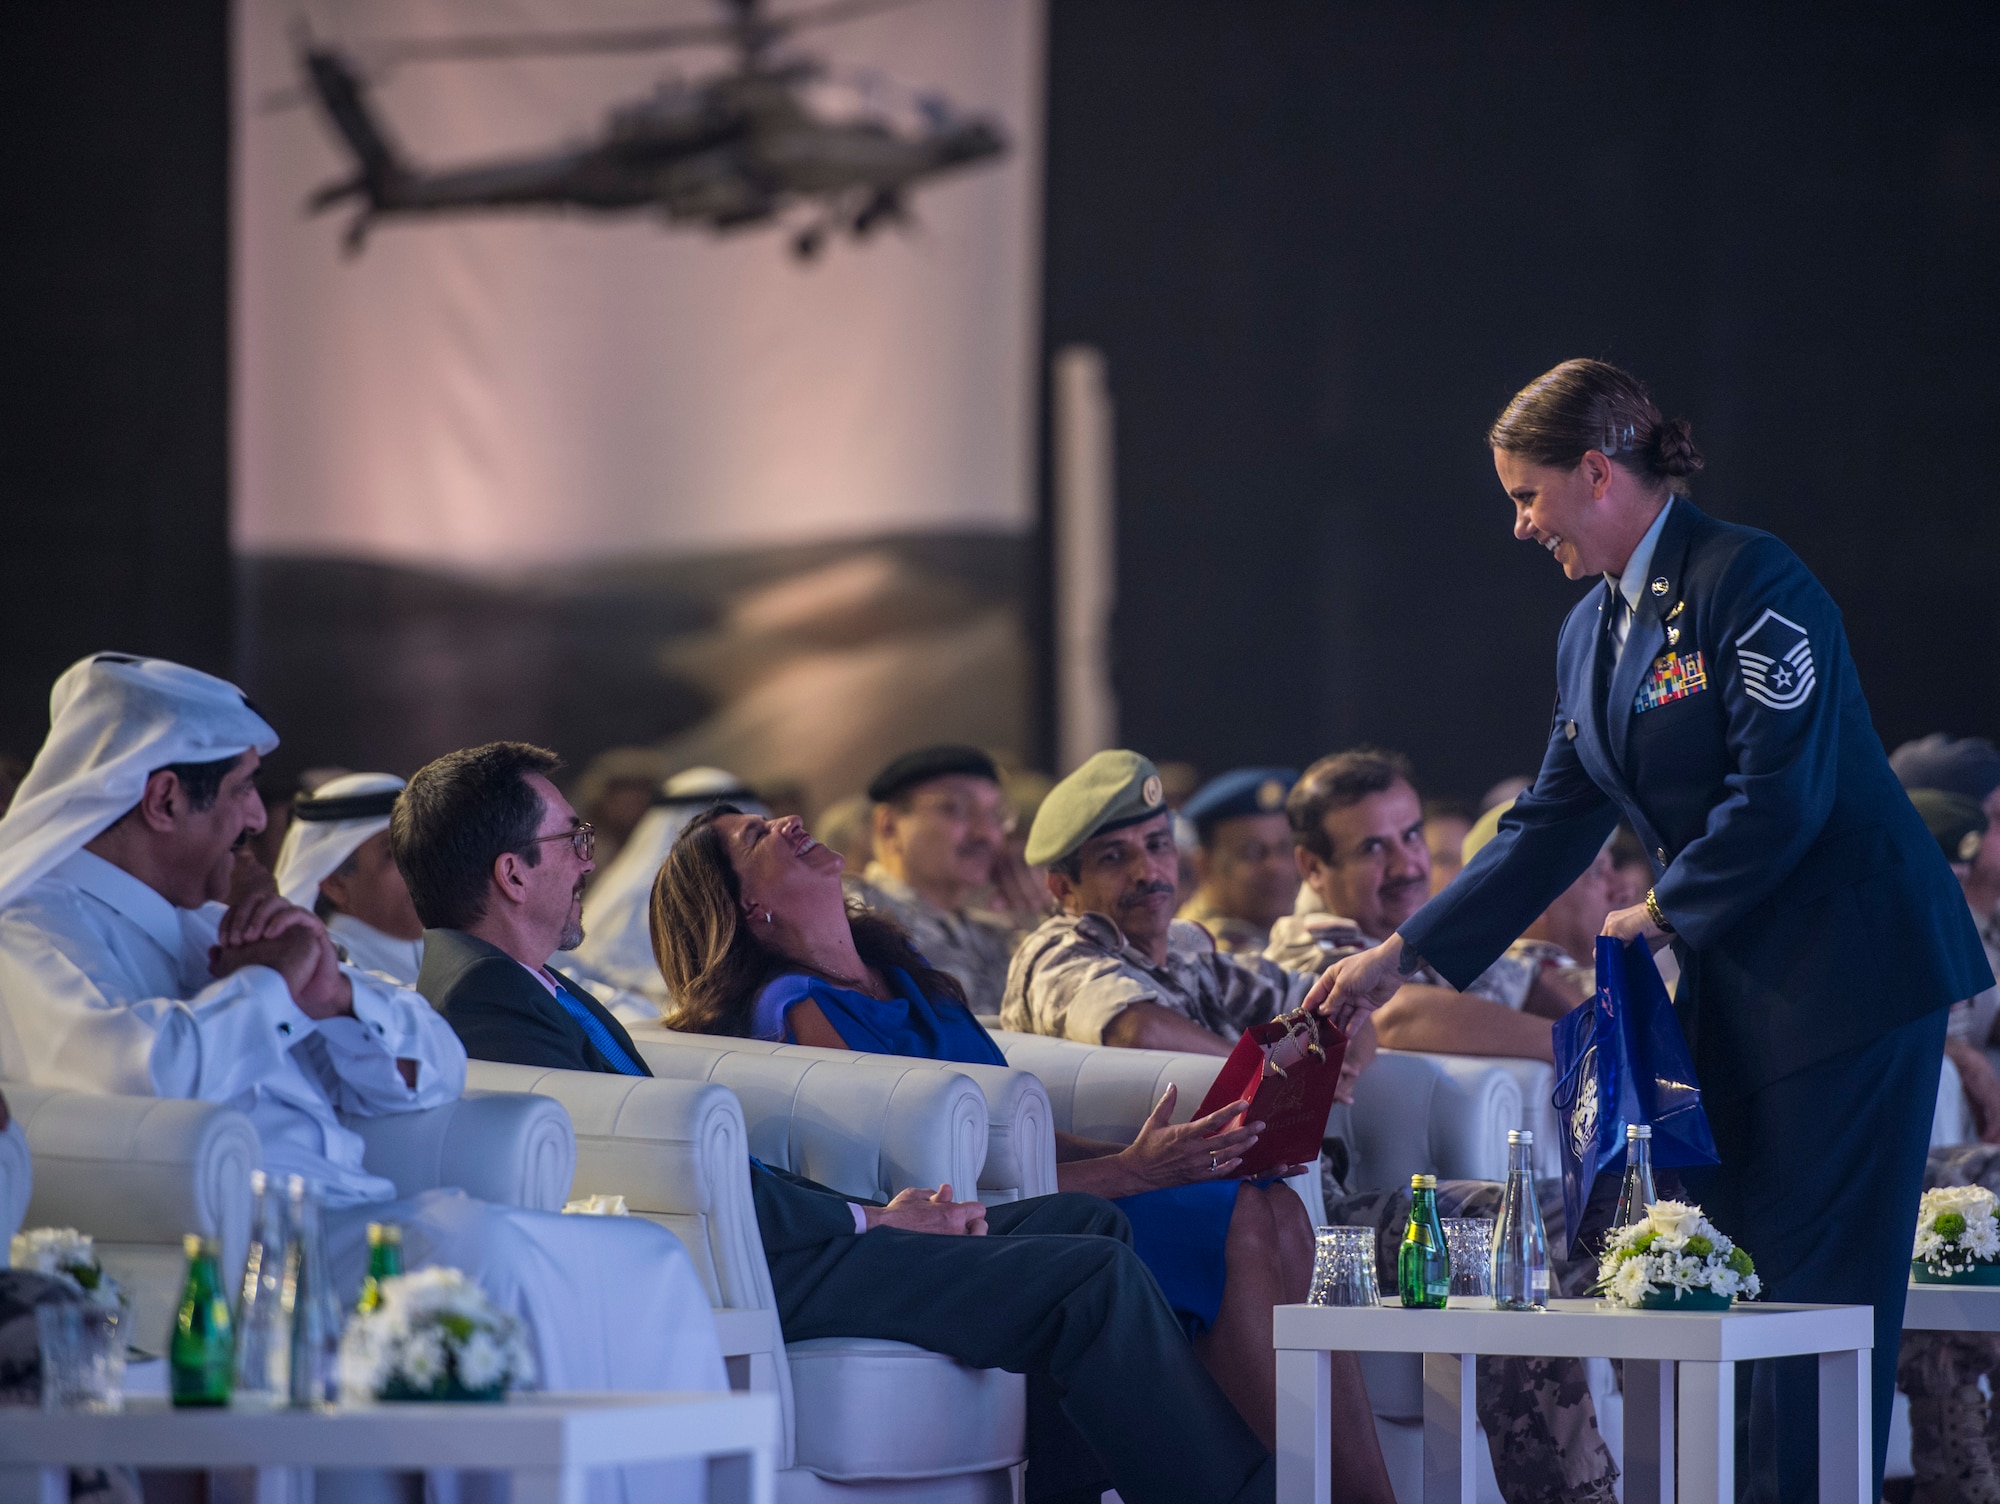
[(502, 1013), (1814, 911)]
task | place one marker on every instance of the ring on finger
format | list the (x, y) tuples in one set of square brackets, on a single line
[(1214, 1163)]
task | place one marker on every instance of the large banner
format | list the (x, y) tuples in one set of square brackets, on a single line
[(596, 476)]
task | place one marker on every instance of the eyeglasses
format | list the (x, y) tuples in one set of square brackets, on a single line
[(582, 840)]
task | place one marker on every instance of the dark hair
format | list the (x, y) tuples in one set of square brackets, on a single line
[(1334, 783), (456, 818), (201, 781), (711, 959), (1590, 404)]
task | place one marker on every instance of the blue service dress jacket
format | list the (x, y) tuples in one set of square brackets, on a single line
[(1814, 913)]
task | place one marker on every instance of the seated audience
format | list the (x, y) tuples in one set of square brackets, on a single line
[(336, 862), (1965, 765), (848, 826), (1115, 967), (756, 938), (1446, 825), (614, 791), (121, 972), (1358, 829), (617, 953), (1963, 832), (940, 842), (1242, 858), (496, 860), (1561, 945)]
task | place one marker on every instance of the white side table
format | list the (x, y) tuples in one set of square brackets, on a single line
[(1952, 1308), (548, 1442), (1675, 1362)]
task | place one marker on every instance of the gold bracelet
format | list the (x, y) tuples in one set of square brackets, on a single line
[(1653, 911)]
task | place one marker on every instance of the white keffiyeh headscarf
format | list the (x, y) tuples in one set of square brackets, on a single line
[(113, 720), (323, 834)]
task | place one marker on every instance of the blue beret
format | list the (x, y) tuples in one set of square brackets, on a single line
[(1242, 791), (1968, 765)]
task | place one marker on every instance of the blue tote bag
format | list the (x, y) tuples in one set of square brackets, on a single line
[(1621, 1058)]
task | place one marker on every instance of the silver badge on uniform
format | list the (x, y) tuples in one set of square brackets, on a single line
[(1777, 662), (1660, 585)]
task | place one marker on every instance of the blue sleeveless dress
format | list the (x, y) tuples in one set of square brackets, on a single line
[(1180, 1233)]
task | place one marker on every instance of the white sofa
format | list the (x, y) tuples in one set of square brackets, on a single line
[(862, 1419), (137, 1173)]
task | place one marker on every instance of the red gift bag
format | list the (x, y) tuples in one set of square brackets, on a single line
[(1285, 1071)]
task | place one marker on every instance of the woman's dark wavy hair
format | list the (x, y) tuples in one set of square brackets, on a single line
[(714, 964), (1591, 404)]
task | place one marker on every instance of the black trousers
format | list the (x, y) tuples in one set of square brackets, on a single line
[(1820, 1176), (1054, 1292)]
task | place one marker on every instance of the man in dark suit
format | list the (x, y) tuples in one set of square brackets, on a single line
[(495, 860), (1705, 693)]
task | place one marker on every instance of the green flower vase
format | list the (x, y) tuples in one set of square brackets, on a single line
[(1978, 1274), (1671, 1299), (450, 1391)]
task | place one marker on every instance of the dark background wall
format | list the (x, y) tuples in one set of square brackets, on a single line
[(113, 341), (1322, 244)]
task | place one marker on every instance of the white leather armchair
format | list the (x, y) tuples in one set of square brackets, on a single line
[(137, 1173), (1020, 1143), (863, 1419)]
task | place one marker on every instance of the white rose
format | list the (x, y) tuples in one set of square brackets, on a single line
[(1675, 1221)]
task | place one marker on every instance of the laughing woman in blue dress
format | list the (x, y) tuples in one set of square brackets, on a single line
[(755, 939)]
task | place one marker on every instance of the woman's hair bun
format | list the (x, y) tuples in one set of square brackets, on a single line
[(1674, 452)]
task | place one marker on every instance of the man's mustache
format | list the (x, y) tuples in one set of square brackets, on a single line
[(1397, 886), (1138, 895)]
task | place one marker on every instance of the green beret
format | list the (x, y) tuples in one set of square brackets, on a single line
[(1955, 822), (1110, 790)]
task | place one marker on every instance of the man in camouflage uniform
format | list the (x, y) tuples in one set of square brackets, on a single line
[(1242, 858), (1115, 967), (1358, 832), (940, 837)]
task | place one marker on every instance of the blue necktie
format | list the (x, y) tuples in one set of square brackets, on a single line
[(598, 1035)]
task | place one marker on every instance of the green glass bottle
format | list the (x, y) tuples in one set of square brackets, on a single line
[(1423, 1265), (385, 1260), (201, 1351)]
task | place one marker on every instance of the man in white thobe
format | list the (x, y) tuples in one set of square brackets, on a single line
[(336, 862), (120, 971)]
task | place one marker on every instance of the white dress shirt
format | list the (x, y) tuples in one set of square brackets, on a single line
[(1633, 580), (371, 950), (105, 986)]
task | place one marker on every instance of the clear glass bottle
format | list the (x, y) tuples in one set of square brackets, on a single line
[(201, 1350), (1423, 1263), (310, 1303), (263, 1333), (385, 1261), (1520, 1244), (1636, 1194)]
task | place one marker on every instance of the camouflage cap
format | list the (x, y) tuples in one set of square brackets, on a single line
[(1109, 790)]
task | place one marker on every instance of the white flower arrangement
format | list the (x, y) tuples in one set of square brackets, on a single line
[(435, 1335), (67, 1254), (1672, 1251), (1956, 1230)]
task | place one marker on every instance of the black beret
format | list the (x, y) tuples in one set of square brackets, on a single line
[(921, 766)]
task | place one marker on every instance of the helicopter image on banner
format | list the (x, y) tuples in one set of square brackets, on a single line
[(741, 148)]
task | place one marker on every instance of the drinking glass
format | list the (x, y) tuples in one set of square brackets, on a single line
[(83, 1356), (1470, 1243), (1344, 1267)]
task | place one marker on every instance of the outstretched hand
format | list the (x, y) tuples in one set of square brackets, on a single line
[(916, 1210), (1627, 925), (1358, 984)]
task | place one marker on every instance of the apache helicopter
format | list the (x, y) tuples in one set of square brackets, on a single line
[(737, 149)]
